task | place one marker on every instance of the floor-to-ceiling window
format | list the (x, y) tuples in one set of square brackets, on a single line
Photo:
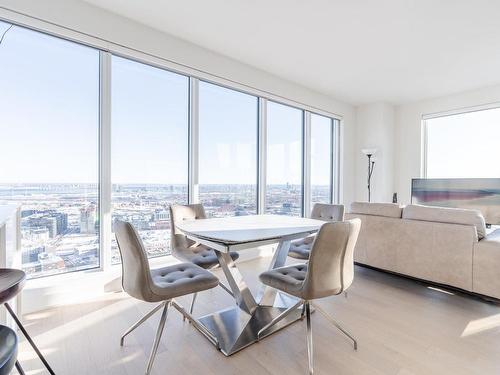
[(49, 148), (322, 141), (284, 160), (463, 145), (149, 169), (55, 165), (227, 151)]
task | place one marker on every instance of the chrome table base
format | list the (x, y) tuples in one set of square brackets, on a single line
[(238, 327), (235, 329)]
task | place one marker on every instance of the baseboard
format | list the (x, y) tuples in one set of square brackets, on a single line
[(468, 293)]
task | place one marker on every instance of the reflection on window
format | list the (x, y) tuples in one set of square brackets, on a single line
[(284, 160), (228, 151), (49, 101), (321, 159), (464, 145), (149, 149)]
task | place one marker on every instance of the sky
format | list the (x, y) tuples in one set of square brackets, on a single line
[(49, 95)]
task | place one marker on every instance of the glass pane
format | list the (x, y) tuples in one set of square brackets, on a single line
[(321, 159), (149, 150), (228, 151), (49, 106), (464, 145), (284, 160)]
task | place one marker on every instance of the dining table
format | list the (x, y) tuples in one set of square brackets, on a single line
[(252, 319)]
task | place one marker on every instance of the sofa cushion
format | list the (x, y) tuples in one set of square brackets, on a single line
[(447, 215), (378, 209)]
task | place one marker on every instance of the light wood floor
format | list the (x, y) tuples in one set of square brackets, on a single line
[(403, 327)]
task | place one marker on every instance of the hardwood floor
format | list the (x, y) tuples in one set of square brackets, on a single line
[(402, 327)]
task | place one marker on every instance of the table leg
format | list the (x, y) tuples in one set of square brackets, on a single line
[(237, 327), (267, 296), (241, 293)]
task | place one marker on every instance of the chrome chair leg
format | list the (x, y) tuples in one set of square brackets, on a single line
[(279, 318), (192, 303), (191, 308), (193, 321), (309, 338), (140, 321), (226, 289), (338, 326), (159, 332)]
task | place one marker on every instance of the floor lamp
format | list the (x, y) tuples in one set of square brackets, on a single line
[(369, 152)]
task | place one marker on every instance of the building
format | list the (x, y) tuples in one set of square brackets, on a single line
[(88, 219)]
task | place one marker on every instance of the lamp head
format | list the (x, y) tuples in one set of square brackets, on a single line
[(369, 151)]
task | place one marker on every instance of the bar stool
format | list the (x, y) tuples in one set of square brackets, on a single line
[(11, 283), (8, 351), (330, 271), (300, 249), (158, 285), (187, 250)]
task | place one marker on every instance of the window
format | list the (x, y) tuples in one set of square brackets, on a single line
[(321, 159), (228, 151), (150, 109), (49, 148), (463, 145), (284, 160)]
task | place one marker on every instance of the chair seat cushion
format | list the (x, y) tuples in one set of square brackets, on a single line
[(8, 350), (181, 279), (300, 249), (202, 256), (288, 279)]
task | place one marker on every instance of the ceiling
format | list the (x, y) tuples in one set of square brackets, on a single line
[(359, 51)]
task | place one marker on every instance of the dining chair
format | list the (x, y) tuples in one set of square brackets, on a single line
[(300, 249), (187, 250), (158, 285), (330, 271)]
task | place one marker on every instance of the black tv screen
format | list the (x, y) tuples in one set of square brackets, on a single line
[(481, 194)]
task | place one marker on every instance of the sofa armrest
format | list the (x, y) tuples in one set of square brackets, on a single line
[(486, 265)]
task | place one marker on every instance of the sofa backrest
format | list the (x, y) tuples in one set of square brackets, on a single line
[(447, 215), (377, 209)]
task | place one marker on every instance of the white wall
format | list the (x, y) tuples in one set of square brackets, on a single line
[(375, 129), (192, 59), (408, 132)]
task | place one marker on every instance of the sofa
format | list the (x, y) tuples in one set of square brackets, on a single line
[(446, 246)]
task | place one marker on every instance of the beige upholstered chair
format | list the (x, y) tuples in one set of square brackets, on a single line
[(300, 249), (187, 250), (330, 271), (157, 285)]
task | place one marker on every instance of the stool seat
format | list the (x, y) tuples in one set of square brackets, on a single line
[(11, 283), (8, 350)]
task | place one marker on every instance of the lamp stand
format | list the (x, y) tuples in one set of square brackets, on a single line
[(371, 165)]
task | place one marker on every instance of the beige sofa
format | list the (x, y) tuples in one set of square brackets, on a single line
[(442, 245)]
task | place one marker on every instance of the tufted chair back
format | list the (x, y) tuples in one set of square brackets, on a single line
[(136, 274), (328, 212), (178, 241), (331, 264)]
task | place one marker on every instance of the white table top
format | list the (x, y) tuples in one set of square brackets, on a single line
[(242, 229)]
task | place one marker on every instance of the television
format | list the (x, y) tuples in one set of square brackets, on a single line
[(481, 194)]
